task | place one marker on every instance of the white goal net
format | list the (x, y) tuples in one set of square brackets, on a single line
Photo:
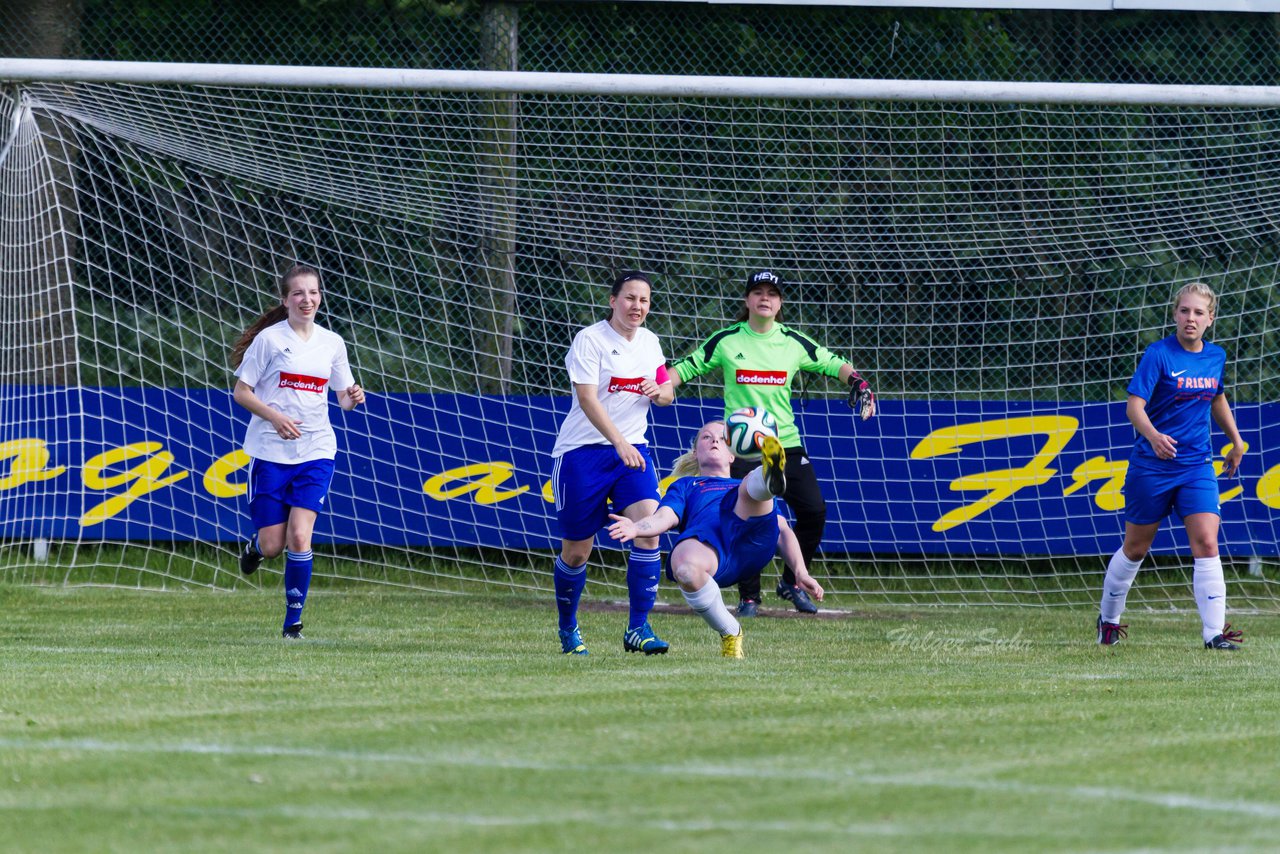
[(994, 268)]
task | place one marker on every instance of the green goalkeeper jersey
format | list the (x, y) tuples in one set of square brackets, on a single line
[(759, 369)]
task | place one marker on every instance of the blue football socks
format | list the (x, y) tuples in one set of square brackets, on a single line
[(643, 568), (569, 582), (297, 579)]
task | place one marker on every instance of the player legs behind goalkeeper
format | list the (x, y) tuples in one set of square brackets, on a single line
[(729, 528)]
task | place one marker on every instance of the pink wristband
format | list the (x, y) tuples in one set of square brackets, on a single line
[(662, 375)]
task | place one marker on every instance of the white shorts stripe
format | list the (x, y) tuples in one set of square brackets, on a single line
[(555, 483)]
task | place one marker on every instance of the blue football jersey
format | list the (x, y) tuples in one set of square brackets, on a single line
[(1179, 388), (692, 497)]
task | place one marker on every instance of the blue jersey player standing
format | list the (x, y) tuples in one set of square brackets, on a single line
[(285, 363), (617, 370), (729, 528), (1179, 385)]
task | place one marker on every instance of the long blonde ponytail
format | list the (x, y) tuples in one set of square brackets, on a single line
[(686, 465)]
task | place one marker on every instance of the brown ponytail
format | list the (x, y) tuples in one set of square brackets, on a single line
[(268, 318)]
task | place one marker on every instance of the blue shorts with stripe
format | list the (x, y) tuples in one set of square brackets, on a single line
[(1149, 493), (276, 488), (591, 481), (744, 546)]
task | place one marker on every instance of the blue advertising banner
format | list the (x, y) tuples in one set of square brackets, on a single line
[(922, 478)]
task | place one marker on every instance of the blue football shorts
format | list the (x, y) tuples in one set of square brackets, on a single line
[(585, 481), (1149, 494), (276, 488), (744, 546)]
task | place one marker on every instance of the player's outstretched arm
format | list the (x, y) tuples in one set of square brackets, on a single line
[(789, 551), (624, 530), (862, 399)]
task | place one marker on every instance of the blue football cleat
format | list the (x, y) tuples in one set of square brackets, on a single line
[(796, 595), (571, 642), (643, 639)]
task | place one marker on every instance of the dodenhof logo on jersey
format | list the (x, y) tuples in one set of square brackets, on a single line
[(746, 376), (631, 384), (301, 382)]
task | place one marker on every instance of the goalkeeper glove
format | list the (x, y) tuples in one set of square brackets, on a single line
[(861, 398)]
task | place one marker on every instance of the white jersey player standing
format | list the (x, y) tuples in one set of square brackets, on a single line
[(602, 461)]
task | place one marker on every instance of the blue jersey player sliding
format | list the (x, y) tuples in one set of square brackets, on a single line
[(729, 529), (1179, 385)]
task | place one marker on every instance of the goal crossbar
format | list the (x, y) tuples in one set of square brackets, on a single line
[(650, 85)]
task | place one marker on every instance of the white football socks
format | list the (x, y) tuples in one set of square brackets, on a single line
[(755, 485), (1115, 587), (709, 605), (1211, 595)]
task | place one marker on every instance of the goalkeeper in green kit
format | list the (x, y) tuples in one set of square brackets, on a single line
[(759, 358)]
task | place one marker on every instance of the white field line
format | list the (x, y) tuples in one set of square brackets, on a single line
[(925, 780), (554, 819)]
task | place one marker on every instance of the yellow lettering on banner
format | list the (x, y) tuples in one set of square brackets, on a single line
[(548, 493), (1109, 495), (1219, 466), (665, 484), (215, 477), (143, 478), (1002, 483), (486, 477), (30, 456), (1269, 488)]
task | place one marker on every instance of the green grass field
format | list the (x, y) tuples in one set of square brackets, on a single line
[(180, 721)]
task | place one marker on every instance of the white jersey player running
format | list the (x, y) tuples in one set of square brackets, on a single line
[(285, 363), (291, 375)]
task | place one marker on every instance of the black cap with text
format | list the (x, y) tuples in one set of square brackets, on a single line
[(763, 277)]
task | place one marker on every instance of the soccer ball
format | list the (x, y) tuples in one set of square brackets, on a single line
[(745, 430)]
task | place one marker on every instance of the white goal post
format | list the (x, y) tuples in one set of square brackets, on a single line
[(630, 85), (993, 256)]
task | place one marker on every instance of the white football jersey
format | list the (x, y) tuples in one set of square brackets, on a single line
[(293, 376), (615, 366)]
